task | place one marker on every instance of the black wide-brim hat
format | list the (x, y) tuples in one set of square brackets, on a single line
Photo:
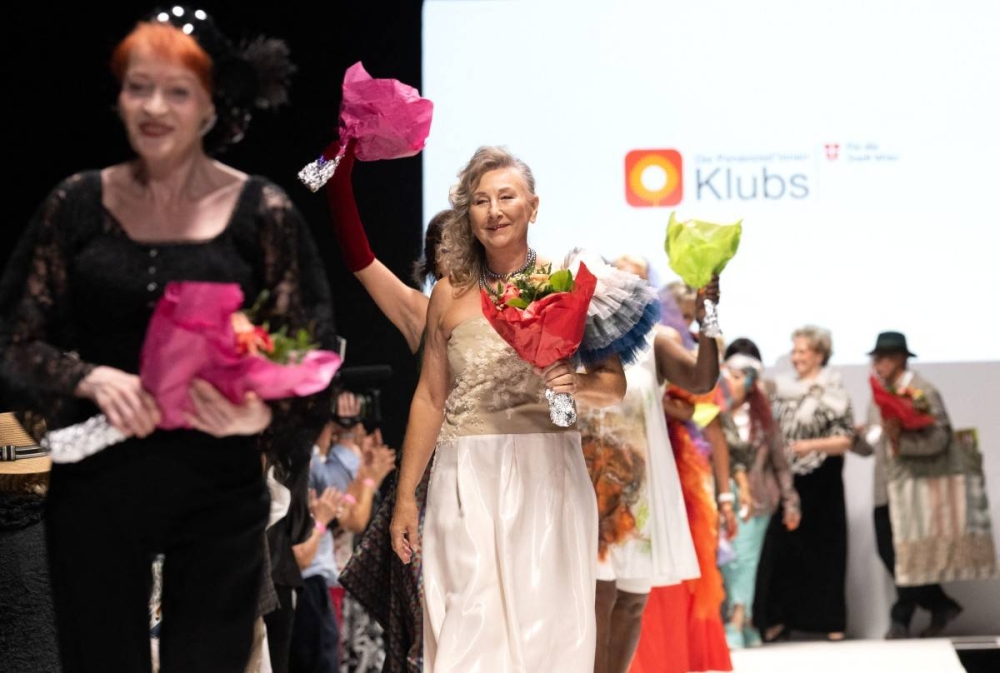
[(891, 342)]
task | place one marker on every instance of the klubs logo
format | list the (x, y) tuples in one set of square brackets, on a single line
[(653, 178)]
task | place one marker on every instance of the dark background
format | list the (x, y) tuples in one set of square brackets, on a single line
[(58, 98)]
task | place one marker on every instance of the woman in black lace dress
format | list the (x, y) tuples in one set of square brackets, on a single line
[(74, 305)]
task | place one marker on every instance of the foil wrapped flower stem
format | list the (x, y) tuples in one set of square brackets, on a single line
[(316, 174), (562, 408), (76, 442)]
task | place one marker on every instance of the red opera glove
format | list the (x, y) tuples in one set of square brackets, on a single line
[(347, 225)]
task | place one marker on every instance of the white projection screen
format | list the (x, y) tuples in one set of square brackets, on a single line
[(857, 140)]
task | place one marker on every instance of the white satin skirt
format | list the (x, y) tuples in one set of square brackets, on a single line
[(510, 556)]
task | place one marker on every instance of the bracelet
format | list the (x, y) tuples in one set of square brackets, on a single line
[(710, 323), (350, 499), (321, 527), (369, 482), (726, 497)]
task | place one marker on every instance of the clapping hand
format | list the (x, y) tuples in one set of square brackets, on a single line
[(328, 506), (378, 460)]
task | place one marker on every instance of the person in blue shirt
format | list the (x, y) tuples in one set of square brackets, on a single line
[(346, 470)]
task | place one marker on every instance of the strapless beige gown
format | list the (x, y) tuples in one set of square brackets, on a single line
[(510, 530)]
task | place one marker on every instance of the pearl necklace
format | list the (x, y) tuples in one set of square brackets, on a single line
[(489, 277)]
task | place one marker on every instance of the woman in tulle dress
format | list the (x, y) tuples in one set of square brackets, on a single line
[(645, 540)]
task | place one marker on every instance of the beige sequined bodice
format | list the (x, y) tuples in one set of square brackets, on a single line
[(493, 391)]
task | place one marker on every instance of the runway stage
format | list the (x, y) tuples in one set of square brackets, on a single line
[(863, 656)]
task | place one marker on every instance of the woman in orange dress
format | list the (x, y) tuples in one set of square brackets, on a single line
[(682, 628)]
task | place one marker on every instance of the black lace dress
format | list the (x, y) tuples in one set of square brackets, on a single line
[(78, 293)]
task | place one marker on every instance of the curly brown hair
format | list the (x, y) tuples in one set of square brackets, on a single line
[(461, 252), (425, 269)]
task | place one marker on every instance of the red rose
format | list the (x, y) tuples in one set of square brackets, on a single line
[(509, 292)]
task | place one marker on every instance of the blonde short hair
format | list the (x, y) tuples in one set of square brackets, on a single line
[(634, 261), (819, 338), (461, 252), (682, 292)]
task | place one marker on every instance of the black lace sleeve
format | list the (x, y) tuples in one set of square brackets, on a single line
[(299, 297), (38, 368)]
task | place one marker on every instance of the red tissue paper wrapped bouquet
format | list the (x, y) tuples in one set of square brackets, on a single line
[(907, 405), (542, 315)]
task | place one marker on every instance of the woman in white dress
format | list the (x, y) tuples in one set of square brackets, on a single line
[(510, 530)]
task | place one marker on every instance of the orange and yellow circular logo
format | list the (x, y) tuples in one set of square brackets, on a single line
[(653, 178)]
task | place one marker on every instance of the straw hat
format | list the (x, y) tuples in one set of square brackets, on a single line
[(19, 453)]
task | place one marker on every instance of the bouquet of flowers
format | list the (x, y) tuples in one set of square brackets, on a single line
[(908, 405), (542, 314), (199, 331), (385, 118), (699, 250)]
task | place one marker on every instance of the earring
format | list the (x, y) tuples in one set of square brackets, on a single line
[(209, 124)]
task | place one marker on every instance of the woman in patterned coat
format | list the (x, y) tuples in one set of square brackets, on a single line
[(801, 580)]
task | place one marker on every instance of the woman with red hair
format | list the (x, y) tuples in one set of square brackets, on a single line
[(762, 481), (75, 301)]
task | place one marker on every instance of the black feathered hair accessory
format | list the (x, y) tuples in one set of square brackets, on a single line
[(246, 77)]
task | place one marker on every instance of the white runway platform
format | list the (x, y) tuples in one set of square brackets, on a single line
[(851, 656)]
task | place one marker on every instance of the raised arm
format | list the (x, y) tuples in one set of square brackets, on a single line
[(676, 364), (404, 306), (426, 418)]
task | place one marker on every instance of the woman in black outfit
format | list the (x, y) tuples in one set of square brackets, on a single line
[(802, 573), (75, 301)]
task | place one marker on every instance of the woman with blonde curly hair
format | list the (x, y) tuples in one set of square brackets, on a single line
[(510, 530)]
